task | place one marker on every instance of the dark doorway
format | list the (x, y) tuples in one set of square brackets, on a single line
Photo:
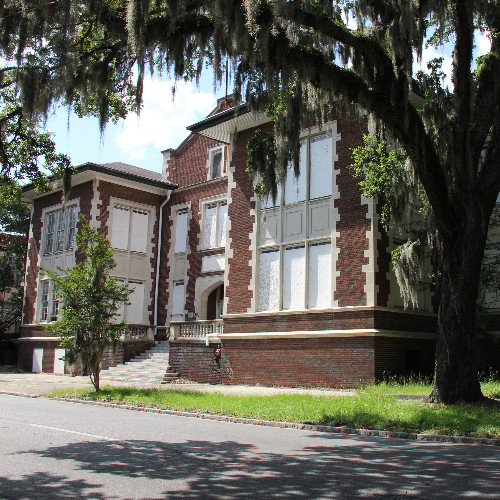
[(215, 303)]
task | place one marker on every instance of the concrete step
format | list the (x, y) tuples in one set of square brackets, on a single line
[(149, 366)]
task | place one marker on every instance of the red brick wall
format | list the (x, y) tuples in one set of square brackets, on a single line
[(195, 361), (300, 322), (106, 191), (83, 192), (329, 362), (124, 352), (391, 356), (188, 164), (239, 294), (353, 223), (192, 195)]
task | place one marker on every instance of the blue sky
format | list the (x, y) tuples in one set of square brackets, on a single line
[(137, 140)]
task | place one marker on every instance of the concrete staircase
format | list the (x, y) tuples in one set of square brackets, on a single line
[(149, 367)]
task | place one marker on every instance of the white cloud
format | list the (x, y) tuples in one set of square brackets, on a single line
[(162, 122), (430, 53), (483, 44)]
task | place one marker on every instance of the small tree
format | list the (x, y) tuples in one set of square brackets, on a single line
[(91, 299)]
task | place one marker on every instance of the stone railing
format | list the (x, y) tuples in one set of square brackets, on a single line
[(137, 332), (195, 329)]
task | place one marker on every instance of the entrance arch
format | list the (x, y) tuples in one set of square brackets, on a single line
[(211, 301)]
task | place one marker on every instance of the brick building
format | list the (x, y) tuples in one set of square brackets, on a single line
[(294, 292)]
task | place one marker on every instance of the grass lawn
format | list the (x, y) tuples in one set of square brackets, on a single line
[(374, 407)]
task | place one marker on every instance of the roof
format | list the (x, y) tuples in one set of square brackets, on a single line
[(117, 169), (221, 125)]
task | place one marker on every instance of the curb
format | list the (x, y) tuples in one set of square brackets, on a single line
[(412, 436)]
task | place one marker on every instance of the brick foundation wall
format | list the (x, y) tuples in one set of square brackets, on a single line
[(403, 356), (124, 352), (195, 361), (329, 362)]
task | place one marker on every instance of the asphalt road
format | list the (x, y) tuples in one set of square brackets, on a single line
[(53, 449)]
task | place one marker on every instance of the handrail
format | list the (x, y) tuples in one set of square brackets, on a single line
[(195, 329)]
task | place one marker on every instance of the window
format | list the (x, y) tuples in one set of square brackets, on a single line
[(295, 277), (215, 221), (315, 178), (295, 261), (178, 297), (54, 311), (60, 229), (49, 302), (130, 228), (133, 312), (216, 162), (44, 301), (181, 230)]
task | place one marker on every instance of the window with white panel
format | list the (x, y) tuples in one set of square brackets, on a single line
[(295, 259), (214, 224), (130, 229)]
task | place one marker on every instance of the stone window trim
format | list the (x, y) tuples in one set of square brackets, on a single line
[(206, 204), (59, 227), (216, 162), (132, 206)]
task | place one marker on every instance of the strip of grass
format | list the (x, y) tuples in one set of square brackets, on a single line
[(374, 407)]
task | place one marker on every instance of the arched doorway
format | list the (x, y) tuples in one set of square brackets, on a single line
[(215, 302)]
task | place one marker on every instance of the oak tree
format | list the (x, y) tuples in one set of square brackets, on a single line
[(295, 58)]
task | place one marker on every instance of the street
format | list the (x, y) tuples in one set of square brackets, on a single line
[(54, 449)]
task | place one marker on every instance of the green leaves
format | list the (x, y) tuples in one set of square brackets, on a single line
[(91, 299), (378, 168)]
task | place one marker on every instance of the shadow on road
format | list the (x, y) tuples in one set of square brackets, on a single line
[(229, 469), (43, 485)]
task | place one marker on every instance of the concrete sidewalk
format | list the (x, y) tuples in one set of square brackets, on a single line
[(36, 384)]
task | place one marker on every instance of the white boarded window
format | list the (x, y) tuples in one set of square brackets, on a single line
[(139, 231), (215, 222), (294, 277), (178, 301), (130, 229), (320, 275), (120, 313), (222, 223), (181, 230), (295, 187), (135, 310), (321, 167), (268, 202), (120, 229), (269, 281)]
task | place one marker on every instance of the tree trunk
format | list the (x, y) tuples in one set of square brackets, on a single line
[(456, 365)]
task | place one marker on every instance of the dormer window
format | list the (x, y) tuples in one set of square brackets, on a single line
[(216, 162)]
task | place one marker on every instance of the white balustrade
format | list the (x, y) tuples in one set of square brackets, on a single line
[(195, 329)]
